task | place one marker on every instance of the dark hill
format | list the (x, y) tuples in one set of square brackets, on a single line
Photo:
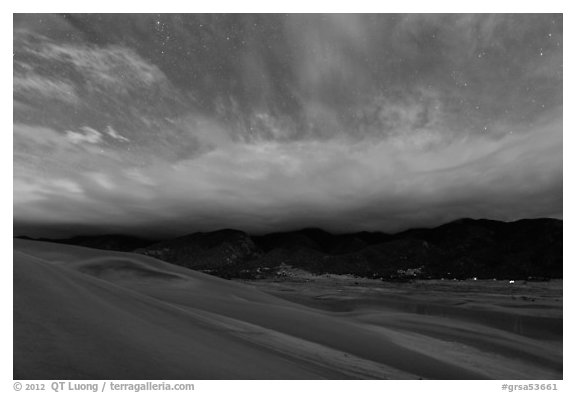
[(205, 251)]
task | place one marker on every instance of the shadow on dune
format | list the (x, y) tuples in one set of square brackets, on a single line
[(124, 268)]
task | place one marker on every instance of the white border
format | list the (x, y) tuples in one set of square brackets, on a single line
[(293, 6)]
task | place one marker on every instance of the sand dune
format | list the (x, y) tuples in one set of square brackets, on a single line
[(85, 313)]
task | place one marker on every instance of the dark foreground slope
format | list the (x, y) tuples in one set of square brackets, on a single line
[(104, 242), (88, 314)]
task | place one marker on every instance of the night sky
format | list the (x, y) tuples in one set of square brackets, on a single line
[(169, 124)]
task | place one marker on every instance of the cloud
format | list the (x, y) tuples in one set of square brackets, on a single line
[(367, 185), (113, 68), (66, 186), (67, 85), (89, 135), (44, 88), (101, 179), (112, 132)]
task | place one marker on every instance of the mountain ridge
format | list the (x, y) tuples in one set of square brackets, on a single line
[(463, 248)]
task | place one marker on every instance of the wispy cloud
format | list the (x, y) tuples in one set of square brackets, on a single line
[(86, 135), (112, 132), (44, 88)]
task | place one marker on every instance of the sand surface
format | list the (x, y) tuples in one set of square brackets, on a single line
[(81, 313)]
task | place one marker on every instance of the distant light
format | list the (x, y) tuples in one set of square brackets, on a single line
[(511, 281), (474, 278)]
